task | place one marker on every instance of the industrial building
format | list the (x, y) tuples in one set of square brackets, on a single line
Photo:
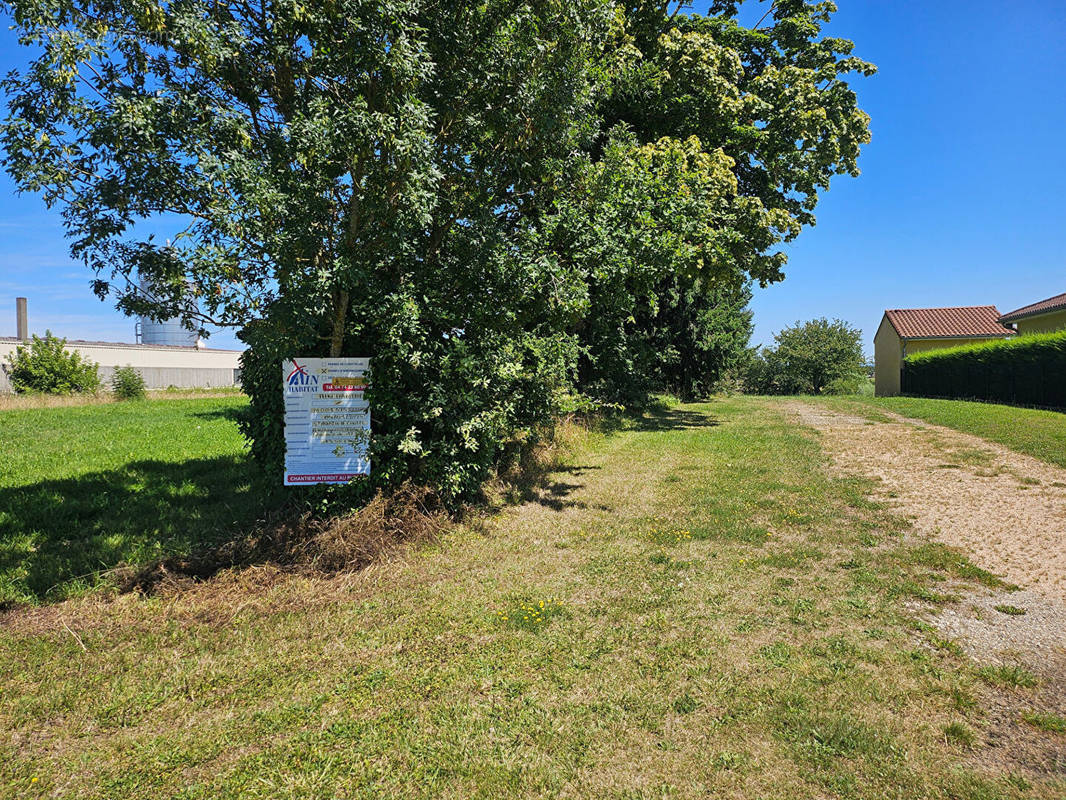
[(166, 354)]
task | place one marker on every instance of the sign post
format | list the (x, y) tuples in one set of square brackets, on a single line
[(327, 420)]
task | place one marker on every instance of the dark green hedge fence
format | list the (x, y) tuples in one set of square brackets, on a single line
[(1026, 370)]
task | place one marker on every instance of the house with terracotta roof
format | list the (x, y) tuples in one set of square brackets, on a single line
[(1042, 317), (904, 331)]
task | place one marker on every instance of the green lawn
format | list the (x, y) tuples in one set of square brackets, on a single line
[(721, 618), (84, 488), (1041, 434)]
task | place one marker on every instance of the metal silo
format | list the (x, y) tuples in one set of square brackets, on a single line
[(167, 331)]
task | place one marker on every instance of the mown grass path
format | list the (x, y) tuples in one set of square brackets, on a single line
[(722, 618)]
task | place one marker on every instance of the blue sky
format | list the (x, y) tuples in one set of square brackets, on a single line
[(960, 201)]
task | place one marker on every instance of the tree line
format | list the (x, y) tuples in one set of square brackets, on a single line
[(506, 204)]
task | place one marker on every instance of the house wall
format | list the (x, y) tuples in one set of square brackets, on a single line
[(888, 358), (890, 350), (919, 345), (183, 367), (1043, 323)]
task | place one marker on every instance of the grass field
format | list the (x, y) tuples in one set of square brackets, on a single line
[(87, 487), (1041, 434), (692, 607)]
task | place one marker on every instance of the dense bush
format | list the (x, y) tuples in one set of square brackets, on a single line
[(1026, 370), (762, 373), (855, 383), (445, 409), (809, 358), (666, 298), (44, 366), (127, 383)]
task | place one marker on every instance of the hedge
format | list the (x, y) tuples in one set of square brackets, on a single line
[(1026, 370)]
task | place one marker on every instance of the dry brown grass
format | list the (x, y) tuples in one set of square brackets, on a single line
[(10, 401), (410, 515), (303, 544), (392, 520)]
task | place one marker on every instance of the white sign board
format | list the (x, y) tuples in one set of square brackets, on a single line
[(327, 421)]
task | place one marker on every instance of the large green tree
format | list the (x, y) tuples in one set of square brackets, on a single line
[(770, 106), (493, 199), (335, 178)]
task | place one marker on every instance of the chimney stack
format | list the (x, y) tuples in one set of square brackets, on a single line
[(23, 332)]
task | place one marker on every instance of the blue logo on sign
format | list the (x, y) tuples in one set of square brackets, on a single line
[(299, 376)]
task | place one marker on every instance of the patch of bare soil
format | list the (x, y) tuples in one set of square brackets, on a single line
[(1007, 512), (1016, 630)]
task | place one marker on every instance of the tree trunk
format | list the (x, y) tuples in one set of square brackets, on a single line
[(340, 315)]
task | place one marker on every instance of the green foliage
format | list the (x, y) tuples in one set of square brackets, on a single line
[(810, 358), (664, 271), (1025, 370), (1046, 721), (718, 140), (127, 383), (446, 410), (1011, 676), (44, 366), (1013, 611), (854, 383), (500, 204)]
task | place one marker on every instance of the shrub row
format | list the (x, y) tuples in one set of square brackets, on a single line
[(1027, 370)]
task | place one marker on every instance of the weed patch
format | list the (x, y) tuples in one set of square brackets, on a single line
[(948, 560), (819, 737), (792, 558), (1009, 610), (531, 615), (668, 538), (1046, 721), (1009, 676), (961, 734)]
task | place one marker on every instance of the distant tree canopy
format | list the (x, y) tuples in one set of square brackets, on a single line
[(809, 358), (500, 202)]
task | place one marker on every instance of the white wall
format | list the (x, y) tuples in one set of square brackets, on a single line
[(161, 366)]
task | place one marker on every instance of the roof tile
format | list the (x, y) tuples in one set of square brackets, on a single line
[(946, 323), (1055, 303)]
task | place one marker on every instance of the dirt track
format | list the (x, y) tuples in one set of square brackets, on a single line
[(1006, 510)]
